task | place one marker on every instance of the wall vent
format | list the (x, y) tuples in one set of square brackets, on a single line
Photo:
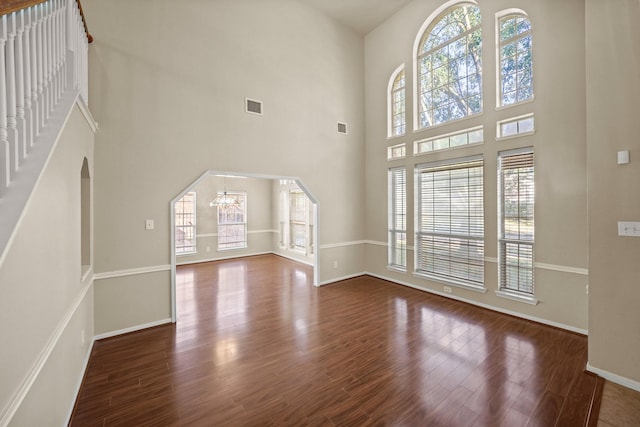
[(342, 127), (252, 106)]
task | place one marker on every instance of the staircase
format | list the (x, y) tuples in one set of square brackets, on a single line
[(43, 73)]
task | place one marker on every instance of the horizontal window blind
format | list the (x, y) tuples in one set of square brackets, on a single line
[(516, 212), (450, 220), (398, 218)]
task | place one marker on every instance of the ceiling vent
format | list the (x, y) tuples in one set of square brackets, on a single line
[(342, 128), (252, 106)]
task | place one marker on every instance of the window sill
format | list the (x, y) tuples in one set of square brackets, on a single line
[(396, 269), (515, 296), (457, 283), (514, 136)]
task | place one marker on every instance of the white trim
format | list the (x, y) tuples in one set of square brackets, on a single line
[(84, 109), (87, 276), (553, 267), (85, 365), (343, 244), (339, 279), (487, 306), (614, 378), (32, 375), (131, 272), (132, 329), (199, 236), (514, 296), (17, 197), (562, 268), (301, 261), (200, 261)]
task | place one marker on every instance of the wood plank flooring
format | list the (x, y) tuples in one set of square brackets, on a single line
[(257, 345)]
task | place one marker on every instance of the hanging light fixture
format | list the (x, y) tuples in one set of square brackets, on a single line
[(224, 201)]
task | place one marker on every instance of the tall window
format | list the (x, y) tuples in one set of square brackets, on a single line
[(232, 223), (398, 218), (449, 61), (516, 63), (185, 220), (398, 122), (298, 215), (516, 206), (450, 221)]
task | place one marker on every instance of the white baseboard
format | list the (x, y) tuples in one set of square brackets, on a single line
[(623, 381), (200, 261), (85, 365), (131, 329), (21, 393), (487, 306), (339, 279)]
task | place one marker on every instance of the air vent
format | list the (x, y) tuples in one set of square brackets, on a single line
[(342, 127), (252, 106)]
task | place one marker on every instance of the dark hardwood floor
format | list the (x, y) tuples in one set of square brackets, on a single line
[(257, 345)]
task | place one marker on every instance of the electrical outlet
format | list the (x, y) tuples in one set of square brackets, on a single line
[(447, 289), (335, 264), (149, 225)]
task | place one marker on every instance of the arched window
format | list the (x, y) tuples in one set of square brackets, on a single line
[(449, 67), (397, 97), (516, 64)]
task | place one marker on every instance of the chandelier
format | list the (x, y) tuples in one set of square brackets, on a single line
[(224, 201)]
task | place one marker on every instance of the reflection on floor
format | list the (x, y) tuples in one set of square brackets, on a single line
[(620, 406), (257, 344)]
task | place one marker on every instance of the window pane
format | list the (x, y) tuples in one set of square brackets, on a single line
[(450, 223), (451, 51)]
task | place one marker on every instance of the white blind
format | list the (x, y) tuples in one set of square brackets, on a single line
[(232, 223), (398, 218), (516, 210), (450, 220), (298, 213), (185, 220)]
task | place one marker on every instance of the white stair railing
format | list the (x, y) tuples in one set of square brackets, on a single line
[(43, 54)]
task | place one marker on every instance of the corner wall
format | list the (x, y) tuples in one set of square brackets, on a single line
[(613, 91), (169, 87), (561, 242), (46, 308)]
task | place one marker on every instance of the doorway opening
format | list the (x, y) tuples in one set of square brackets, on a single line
[(224, 215)]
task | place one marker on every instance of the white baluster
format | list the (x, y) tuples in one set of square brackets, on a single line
[(46, 64), (35, 104), (28, 110), (40, 57), (10, 64), (20, 118), (5, 153)]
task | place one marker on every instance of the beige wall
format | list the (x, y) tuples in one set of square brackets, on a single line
[(46, 312), (561, 244), (613, 90), (168, 89), (259, 218)]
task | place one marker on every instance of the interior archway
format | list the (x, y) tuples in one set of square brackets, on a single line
[(204, 181)]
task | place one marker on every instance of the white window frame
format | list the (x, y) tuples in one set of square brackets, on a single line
[(300, 221), (397, 108), (423, 34), (240, 243), (520, 249), (397, 219), (501, 16), (184, 229), (398, 151), (451, 140), (449, 243), (518, 122)]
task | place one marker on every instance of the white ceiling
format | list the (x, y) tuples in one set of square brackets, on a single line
[(361, 15)]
